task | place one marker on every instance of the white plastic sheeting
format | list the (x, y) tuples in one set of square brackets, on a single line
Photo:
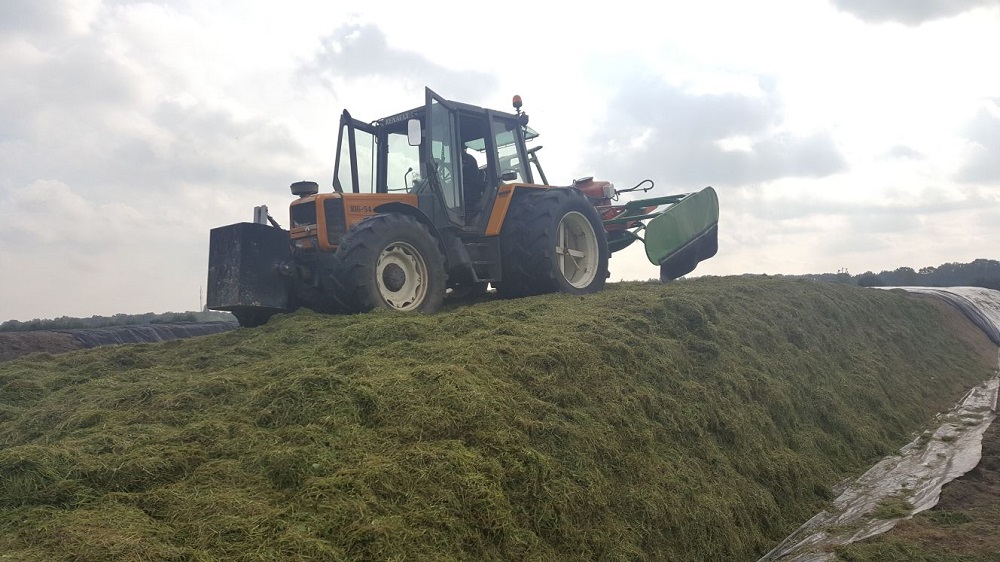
[(982, 306), (917, 473)]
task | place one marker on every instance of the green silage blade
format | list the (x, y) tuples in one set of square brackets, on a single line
[(686, 231)]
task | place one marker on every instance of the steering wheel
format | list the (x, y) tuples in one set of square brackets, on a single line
[(443, 172)]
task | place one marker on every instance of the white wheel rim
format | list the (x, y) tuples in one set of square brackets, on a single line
[(401, 276), (576, 249)]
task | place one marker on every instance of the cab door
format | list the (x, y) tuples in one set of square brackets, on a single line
[(441, 154)]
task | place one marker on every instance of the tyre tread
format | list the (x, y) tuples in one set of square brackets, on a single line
[(345, 274), (525, 239)]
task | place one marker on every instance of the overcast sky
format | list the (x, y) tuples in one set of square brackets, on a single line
[(858, 134)]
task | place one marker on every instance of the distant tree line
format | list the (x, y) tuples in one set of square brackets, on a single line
[(69, 323), (979, 273)]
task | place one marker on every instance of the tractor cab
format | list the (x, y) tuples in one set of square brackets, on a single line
[(458, 153)]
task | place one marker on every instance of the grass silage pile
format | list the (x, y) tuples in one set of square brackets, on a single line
[(701, 420)]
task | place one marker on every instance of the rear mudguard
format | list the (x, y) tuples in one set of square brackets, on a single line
[(244, 270), (684, 234)]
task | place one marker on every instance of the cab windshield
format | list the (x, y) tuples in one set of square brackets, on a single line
[(503, 139)]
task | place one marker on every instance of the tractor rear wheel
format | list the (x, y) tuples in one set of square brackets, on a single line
[(552, 240), (386, 261)]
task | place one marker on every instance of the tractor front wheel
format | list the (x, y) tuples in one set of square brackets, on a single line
[(553, 240), (387, 261)]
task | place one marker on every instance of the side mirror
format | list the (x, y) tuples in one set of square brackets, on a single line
[(413, 132), (508, 176)]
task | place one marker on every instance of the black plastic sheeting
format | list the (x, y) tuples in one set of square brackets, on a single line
[(146, 333)]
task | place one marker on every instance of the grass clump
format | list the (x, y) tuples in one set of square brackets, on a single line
[(946, 517), (699, 420), (899, 551), (893, 507)]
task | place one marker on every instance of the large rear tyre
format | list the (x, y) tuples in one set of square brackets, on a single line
[(386, 261), (552, 240)]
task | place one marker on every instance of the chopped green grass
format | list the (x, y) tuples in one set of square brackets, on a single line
[(898, 551), (701, 420), (894, 507), (945, 517)]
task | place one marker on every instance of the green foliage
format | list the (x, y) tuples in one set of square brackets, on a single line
[(893, 507), (869, 279), (945, 517), (978, 273), (69, 323), (897, 551), (700, 420)]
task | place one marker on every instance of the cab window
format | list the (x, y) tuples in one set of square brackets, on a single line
[(512, 164), (360, 144), (443, 152), (366, 162), (402, 163)]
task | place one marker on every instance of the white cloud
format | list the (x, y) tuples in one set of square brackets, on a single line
[(911, 12), (50, 214), (685, 135), (836, 137), (983, 165), (67, 255)]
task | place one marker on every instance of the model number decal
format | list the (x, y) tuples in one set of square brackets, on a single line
[(362, 209)]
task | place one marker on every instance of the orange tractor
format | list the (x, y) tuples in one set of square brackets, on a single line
[(445, 198)]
